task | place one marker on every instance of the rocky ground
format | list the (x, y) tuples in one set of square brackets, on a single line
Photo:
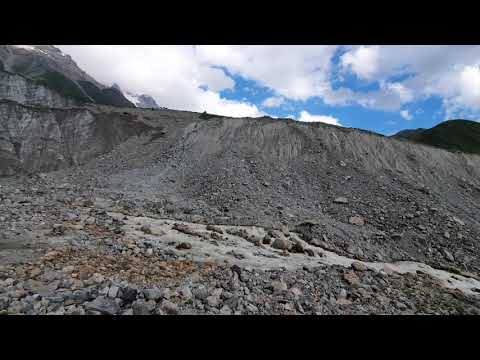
[(66, 250), (141, 211)]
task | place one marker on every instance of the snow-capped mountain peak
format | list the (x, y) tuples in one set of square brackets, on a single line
[(140, 101)]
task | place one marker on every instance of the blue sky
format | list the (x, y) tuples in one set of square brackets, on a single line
[(379, 88), (425, 113)]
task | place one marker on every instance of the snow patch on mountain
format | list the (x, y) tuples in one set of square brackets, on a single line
[(131, 98), (30, 48), (140, 101)]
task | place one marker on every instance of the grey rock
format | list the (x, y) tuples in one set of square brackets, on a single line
[(296, 292), (128, 312), (267, 240), (356, 220), (142, 307), (358, 266), (185, 293), (80, 296), (351, 278), (128, 294), (146, 229), (282, 244), (297, 247), (341, 200), (103, 305), (153, 294), (237, 269), (169, 307), (225, 310), (448, 255), (213, 301), (113, 291), (232, 302), (279, 286), (397, 236), (71, 216), (184, 246), (200, 293), (309, 268), (4, 302), (54, 299), (58, 229), (214, 229)]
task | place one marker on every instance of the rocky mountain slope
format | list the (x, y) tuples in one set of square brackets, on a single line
[(49, 68), (110, 210), (311, 187), (453, 135)]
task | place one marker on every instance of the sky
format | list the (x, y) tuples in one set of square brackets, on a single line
[(384, 88)]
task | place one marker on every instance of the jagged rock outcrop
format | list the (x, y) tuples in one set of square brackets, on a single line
[(47, 67), (36, 139), (28, 92)]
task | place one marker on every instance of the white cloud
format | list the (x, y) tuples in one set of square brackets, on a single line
[(295, 72), (460, 90), (362, 61), (171, 74), (177, 75), (305, 116), (404, 94), (450, 72), (273, 102), (406, 115)]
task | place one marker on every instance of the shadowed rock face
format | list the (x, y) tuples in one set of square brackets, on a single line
[(28, 92), (42, 139)]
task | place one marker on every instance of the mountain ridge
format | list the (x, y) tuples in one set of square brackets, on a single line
[(454, 135), (48, 66)]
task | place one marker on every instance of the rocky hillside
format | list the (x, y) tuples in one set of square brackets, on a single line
[(167, 212), (34, 139), (259, 171), (453, 135)]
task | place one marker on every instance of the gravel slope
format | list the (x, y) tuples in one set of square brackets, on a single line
[(342, 194)]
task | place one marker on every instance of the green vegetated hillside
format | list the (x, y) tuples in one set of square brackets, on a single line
[(453, 135)]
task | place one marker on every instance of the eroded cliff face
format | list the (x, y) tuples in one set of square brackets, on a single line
[(25, 91), (36, 139)]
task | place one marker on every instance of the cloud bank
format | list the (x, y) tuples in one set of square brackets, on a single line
[(199, 77), (305, 116)]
